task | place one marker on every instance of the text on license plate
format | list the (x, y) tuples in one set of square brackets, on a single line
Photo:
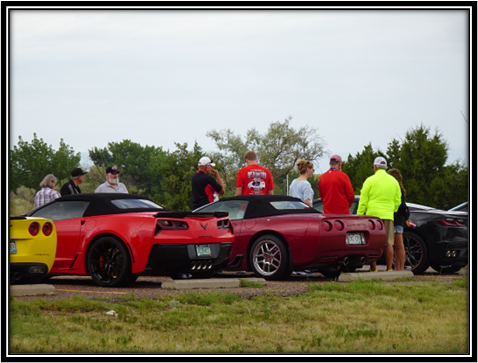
[(13, 247), (203, 250), (355, 238)]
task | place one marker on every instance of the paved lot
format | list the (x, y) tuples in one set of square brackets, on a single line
[(62, 287)]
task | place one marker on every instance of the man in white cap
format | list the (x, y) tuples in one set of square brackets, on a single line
[(204, 186), (380, 197)]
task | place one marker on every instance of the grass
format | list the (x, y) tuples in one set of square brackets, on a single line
[(365, 316)]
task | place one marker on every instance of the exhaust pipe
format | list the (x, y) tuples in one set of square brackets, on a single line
[(201, 265), (16, 276), (346, 261), (362, 260)]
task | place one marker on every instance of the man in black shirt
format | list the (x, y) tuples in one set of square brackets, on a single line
[(205, 186), (77, 177)]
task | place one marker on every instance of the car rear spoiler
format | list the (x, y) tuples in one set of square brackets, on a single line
[(190, 214)]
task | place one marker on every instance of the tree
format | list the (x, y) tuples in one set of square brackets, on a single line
[(178, 169), (139, 165), (278, 150), (360, 167), (31, 162)]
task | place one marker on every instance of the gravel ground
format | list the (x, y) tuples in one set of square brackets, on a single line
[(150, 287)]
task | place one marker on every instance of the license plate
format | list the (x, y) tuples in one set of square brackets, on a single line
[(13, 247), (355, 239), (203, 250)]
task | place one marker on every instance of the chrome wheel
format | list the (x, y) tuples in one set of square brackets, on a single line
[(268, 258)]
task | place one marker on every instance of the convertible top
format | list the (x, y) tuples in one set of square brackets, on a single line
[(260, 205), (100, 203)]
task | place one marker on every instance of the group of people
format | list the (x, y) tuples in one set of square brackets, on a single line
[(47, 192), (253, 179), (382, 194)]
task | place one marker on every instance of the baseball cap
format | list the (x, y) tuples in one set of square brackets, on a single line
[(380, 161), (112, 170), (206, 161), (336, 157), (78, 172)]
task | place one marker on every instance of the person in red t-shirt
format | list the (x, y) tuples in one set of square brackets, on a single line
[(254, 179), (335, 188)]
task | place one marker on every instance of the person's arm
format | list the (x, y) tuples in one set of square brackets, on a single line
[(349, 190), (363, 202), (271, 184), (239, 183), (308, 194), (219, 181), (398, 197)]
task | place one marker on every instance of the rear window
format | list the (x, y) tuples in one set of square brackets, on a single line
[(135, 204), (283, 205), (235, 208), (62, 210)]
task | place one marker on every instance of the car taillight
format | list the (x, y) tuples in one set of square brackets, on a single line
[(34, 228), (339, 225), (371, 224), (451, 222), (165, 224), (225, 224), (326, 226), (47, 229)]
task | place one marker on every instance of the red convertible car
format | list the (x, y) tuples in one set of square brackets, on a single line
[(274, 235), (114, 238)]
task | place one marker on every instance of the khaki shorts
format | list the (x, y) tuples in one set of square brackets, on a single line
[(390, 229)]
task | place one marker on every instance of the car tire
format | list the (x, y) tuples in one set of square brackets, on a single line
[(447, 270), (108, 262), (416, 253), (330, 272), (269, 258)]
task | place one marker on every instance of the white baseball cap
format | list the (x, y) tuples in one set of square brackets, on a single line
[(206, 161), (380, 161)]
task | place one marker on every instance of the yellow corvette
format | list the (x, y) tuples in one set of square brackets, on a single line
[(32, 248)]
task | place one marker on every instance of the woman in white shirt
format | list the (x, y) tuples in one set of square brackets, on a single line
[(300, 187)]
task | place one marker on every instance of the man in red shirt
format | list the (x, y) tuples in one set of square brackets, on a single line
[(335, 188), (254, 179)]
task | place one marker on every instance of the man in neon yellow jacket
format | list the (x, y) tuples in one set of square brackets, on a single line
[(380, 197)]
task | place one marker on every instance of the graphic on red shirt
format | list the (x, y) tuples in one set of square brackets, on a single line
[(254, 180)]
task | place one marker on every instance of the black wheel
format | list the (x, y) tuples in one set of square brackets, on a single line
[(416, 253), (108, 262), (269, 258), (331, 272), (447, 269)]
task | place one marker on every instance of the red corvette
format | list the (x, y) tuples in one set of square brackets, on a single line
[(114, 238), (274, 235)]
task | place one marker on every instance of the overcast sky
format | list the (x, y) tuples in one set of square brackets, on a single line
[(157, 77)]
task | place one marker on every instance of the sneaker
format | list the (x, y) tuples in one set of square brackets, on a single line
[(390, 270), (372, 270)]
